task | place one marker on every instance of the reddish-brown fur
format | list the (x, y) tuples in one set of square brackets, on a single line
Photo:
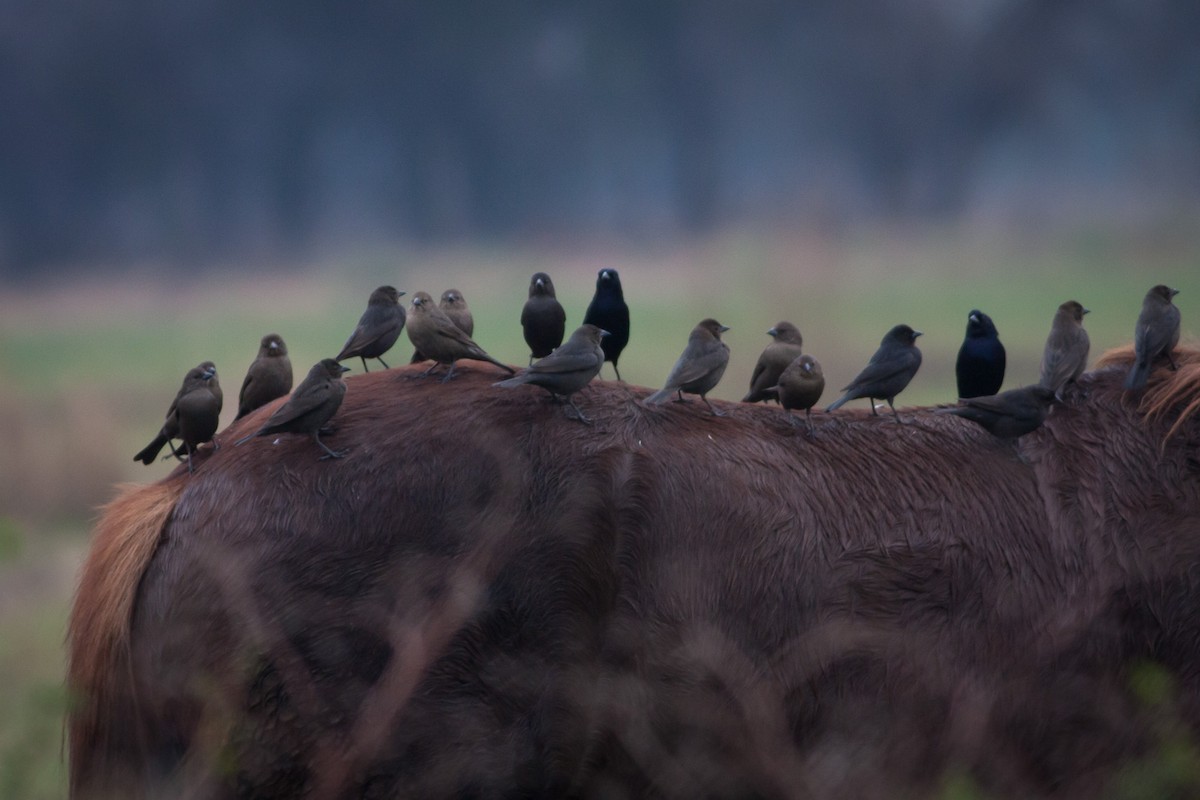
[(485, 597)]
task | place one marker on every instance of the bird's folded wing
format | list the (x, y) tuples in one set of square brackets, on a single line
[(303, 400), (561, 362)]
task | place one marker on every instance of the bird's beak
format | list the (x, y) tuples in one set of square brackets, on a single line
[(605, 275), (973, 318), (209, 374), (401, 294), (539, 283), (1087, 311), (604, 333), (273, 346), (773, 332), (917, 333), (722, 328), (343, 368), (1174, 292)]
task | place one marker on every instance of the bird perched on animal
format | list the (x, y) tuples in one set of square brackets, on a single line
[(800, 386), (454, 305), (981, 359), (378, 328), (568, 369), (699, 367), (1156, 333), (608, 312), (193, 415), (314, 403), (436, 335), (784, 348), (1010, 414), (888, 372), (543, 319), (1065, 356), (269, 376)]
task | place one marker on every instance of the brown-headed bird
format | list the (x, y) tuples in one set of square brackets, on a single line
[(888, 372), (455, 307), (1156, 334), (436, 335), (193, 415), (378, 328), (1010, 414), (269, 376), (699, 367), (314, 403), (1065, 356), (776, 356), (543, 319), (800, 386), (568, 369)]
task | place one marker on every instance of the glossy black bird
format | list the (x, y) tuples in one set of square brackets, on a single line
[(1010, 414), (543, 320), (314, 403), (436, 335), (608, 312), (981, 359), (784, 348), (1156, 333), (1065, 356), (193, 415), (888, 372), (800, 386), (269, 376), (699, 367), (378, 328), (454, 305), (568, 369)]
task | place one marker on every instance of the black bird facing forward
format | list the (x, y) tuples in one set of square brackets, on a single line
[(314, 403), (888, 372), (568, 369), (1156, 334), (436, 335), (269, 376), (608, 312), (378, 328), (1065, 356), (785, 347), (800, 386), (543, 320), (699, 367), (193, 415), (1008, 415), (981, 359)]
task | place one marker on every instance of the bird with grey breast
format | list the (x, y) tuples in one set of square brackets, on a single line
[(784, 348), (1008, 415), (1065, 356), (888, 372), (800, 386), (543, 320), (454, 305), (1156, 334), (436, 335), (566, 370), (699, 367), (378, 328), (269, 376), (192, 417), (312, 404)]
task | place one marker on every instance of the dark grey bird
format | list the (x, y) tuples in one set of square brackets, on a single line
[(193, 415), (979, 369), (568, 369), (784, 348), (314, 403), (699, 367), (608, 312), (800, 386), (1156, 334), (1010, 414), (888, 372), (436, 335), (1065, 356), (378, 328), (543, 319), (454, 306), (269, 376)]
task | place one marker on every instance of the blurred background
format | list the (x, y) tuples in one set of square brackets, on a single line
[(180, 178)]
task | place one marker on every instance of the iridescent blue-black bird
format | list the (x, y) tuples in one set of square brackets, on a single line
[(981, 359), (608, 312)]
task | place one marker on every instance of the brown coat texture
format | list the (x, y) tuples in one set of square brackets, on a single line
[(487, 599)]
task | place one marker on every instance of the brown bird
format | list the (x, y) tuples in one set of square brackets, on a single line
[(1008, 415), (888, 372), (269, 376), (314, 403), (700, 366), (568, 369), (193, 415), (435, 335), (775, 358), (800, 386), (1065, 356), (378, 328), (1156, 333), (543, 320), (455, 307)]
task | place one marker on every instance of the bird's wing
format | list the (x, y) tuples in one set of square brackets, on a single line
[(694, 364), (884, 366), (759, 369), (562, 360), (306, 397), (249, 379)]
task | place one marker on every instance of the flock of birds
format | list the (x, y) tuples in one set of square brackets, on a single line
[(442, 333)]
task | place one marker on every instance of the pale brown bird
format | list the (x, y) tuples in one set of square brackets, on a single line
[(314, 403), (435, 335), (699, 367), (568, 369), (455, 307), (784, 348), (1065, 356), (1156, 334), (800, 386), (193, 415), (269, 376)]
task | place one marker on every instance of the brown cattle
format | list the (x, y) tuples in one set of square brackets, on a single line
[(486, 599)]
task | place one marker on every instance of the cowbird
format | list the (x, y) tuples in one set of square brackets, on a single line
[(378, 328), (193, 415), (800, 386), (1156, 334), (543, 319), (1010, 414), (435, 335), (568, 369), (888, 372), (269, 376), (608, 312), (783, 350), (455, 307), (314, 403), (980, 365), (1066, 353), (699, 367)]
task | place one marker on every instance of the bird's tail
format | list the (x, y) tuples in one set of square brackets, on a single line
[(485, 357), (150, 452), (1138, 375), (836, 404), (518, 380), (660, 396)]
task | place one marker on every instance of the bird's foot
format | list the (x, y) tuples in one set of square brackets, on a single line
[(328, 430), (334, 454)]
